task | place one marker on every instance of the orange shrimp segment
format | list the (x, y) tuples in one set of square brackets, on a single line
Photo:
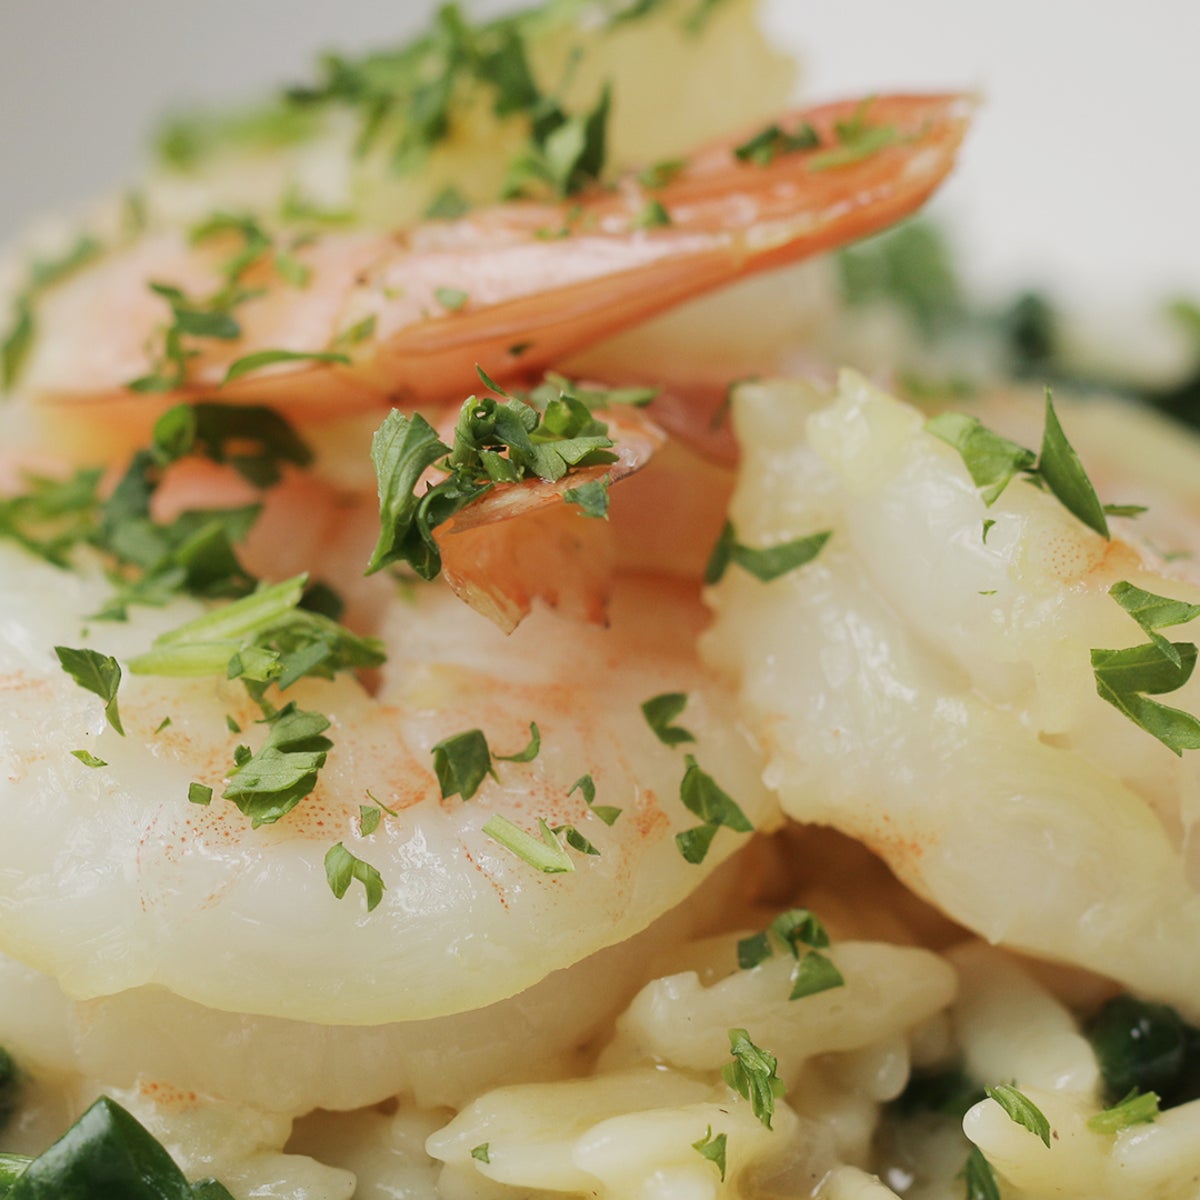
[(514, 288)]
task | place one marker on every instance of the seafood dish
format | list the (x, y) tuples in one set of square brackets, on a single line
[(548, 649)]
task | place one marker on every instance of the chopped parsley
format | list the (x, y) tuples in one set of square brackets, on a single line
[(268, 358), (591, 498), (448, 205), (268, 784), (794, 929), (481, 1153), (713, 1149), (772, 141), (993, 462), (1145, 1047), (586, 786), (495, 441), (660, 711), (544, 853), (88, 758), (716, 809), (1021, 1110), (1137, 1108), (979, 1177), (463, 761), (451, 298), (199, 793), (1127, 678), (857, 139), (652, 216), (342, 868), (766, 563), (106, 1152), (97, 673), (752, 1075)]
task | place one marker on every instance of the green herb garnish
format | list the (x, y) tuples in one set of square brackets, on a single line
[(88, 758), (766, 563), (97, 673), (772, 141), (752, 1074), (546, 853), (1021, 1109), (979, 1177), (481, 1153), (794, 929), (993, 462), (462, 763), (713, 1149), (1137, 1108), (342, 868), (716, 809), (660, 711), (268, 358)]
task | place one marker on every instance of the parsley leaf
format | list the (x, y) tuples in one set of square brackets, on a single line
[(482, 1152), (199, 793), (768, 143), (462, 762), (88, 758), (752, 1074), (1124, 677), (993, 462), (857, 139), (701, 795), (267, 358), (660, 711), (531, 750), (980, 1178), (97, 673), (712, 1148), (1060, 467), (591, 497), (585, 784), (766, 563), (545, 854), (1137, 1108), (267, 785), (1021, 1109), (451, 298), (1153, 612), (342, 868), (795, 928), (652, 216)]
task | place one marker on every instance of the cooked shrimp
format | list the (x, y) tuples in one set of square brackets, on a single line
[(926, 685), (119, 881), (514, 288)]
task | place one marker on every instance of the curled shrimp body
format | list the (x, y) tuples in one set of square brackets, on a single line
[(926, 685), (514, 288), (111, 879)]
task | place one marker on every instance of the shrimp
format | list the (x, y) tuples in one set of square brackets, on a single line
[(926, 685), (120, 882), (513, 288)]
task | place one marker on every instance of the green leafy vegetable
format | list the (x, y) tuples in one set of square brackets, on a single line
[(105, 1155), (268, 784), (766, 563), (591, 497), (980, 1177), (462, 762), (713, 1149), (1145, 1047), (660, 711), (1021, 1109), (342, 868), (752, 1074), (97, 673), (716, 809), (1125, 678), (652, 216), (88, 758), (268, 358), (857, 139), (451, 298), (482, 1152), (1153, 612), (199, 793), (587, 786), (1137, 1108), (994, 461), (531, 750), (793, 929), (772, 141), (546, 853)]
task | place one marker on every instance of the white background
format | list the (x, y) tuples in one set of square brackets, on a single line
[(1082, 171)]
